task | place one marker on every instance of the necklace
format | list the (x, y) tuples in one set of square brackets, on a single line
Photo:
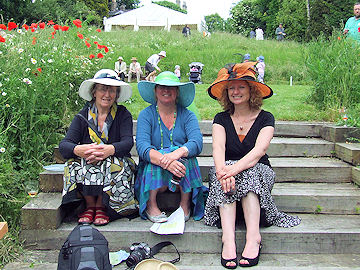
[(161, 131)]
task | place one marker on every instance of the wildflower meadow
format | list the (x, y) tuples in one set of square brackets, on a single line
[(41, 63)]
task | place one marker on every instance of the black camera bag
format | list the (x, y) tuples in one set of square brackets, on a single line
[(84, 249)]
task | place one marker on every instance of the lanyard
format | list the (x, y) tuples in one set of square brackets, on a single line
[(161, 131)]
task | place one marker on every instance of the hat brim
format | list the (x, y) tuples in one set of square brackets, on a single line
[(86, 86), (186, 91), (167, 266), (148, 264), (215, 91)]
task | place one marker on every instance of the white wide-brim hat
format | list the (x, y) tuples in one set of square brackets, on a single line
[(167, 78), (162, 53), (106, 77), (154, 264)]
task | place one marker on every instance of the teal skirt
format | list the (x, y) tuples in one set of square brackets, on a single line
[(151, 177)]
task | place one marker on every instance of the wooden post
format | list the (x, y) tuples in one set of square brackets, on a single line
[(3, 229)]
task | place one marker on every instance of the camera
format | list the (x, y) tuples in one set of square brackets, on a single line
[(138, 252)]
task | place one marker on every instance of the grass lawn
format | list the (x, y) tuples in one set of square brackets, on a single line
[(287, 103)]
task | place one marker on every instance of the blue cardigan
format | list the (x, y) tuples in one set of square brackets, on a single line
[(186, 132)]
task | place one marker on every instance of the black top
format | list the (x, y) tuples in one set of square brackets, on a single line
[(234, 148), (120, 134)]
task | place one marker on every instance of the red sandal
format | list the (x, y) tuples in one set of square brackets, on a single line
[(89, 214), (100, 213)]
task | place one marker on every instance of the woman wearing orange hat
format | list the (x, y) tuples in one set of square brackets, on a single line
[(242, 173)]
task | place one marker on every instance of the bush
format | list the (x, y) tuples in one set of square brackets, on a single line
[(335, 72)]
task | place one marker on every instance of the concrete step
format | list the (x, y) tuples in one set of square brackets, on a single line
[(328, 170), (317, 234), (281, 147), (44, 211), (47, 260)]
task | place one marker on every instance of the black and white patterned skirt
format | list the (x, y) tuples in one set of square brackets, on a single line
[(258, 179)]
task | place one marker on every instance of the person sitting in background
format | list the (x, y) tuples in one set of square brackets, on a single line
[(177, 71), (134, 69), (120, 68), (97, 148), (260, 66), (152, 65), (167, 143), (242, 173)]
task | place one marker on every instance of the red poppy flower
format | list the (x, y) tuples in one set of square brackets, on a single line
[(339, 38), (100, 55), (98, 30), (32, 30), (3, 26), (91, 56), (39, 69), (87, 44), (95, 42), (53, 33), (11, 26), (359, 29), (80, 35), (2, 39), (77, 22), (42, 25), (34, 25), (64, 28), (100, 46), (26, 27), (56, 27), (50, 22), (34, 41), (106, 49), (52, 37)]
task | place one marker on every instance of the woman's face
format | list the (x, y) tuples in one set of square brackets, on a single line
[(104, 95), (166, 95), (238, 92)]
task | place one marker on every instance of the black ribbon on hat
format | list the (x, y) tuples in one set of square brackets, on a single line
[(230, 69), (107, 76)]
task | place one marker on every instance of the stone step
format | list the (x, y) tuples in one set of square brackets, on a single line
[(281, 147), (44, 211), (328, 170), (47, 260), (317, 234)]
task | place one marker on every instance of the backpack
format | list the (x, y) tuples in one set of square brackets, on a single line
[(84, 249)]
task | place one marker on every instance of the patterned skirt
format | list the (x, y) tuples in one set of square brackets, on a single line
[(113, 178), (259, 179), (151, 177)]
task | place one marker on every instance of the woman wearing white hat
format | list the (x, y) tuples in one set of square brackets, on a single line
[(152, 64), (97, 148), (168, 139)]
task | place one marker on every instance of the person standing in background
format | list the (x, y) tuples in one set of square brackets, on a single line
[(259, 34), (352, 26), (186, 31), (280, 33)]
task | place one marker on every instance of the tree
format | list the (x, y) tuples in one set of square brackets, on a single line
[(129, 4), (12, 10), (244, 17), (170, 5), (214, 23), (101, 7)]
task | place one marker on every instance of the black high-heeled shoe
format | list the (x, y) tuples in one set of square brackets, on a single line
[(225, 261), (251, 262)]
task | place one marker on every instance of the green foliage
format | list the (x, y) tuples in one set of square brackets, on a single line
[(101, 7), (293, 17), (335, 73), (215, 23), (245, 17), (12, 10), (170, 5), (129, 4)]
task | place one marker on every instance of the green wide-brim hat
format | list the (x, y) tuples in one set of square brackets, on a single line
[(167, 78)]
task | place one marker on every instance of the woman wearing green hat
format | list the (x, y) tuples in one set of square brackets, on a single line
[(168, 139)]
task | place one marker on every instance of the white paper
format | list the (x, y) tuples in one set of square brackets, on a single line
[(174, 225)]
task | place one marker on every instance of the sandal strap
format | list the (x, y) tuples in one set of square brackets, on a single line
[(88, 213)]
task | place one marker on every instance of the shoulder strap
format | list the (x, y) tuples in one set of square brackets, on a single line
[(93, 128), (155, 249)]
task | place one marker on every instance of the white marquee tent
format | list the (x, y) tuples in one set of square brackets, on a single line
[(151, 16)]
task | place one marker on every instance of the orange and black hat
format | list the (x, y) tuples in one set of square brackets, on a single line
[(233, 72)]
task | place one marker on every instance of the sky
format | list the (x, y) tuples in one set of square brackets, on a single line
[(201, 8)]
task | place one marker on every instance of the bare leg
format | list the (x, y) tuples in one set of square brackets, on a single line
[(251, 208), (185, 201), (151, 75), (228, 216), (99, 204), (151, 205), (90, 202)]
